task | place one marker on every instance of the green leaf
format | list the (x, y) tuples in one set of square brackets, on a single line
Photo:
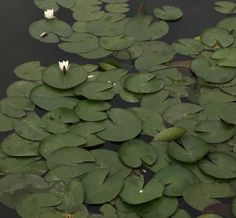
[(108, 158), (225, 57), (228, 23), (30, 71), (219, 165), (190, 150), (142, 28), (134, 152), (80, 43), (46, 4), (121, 126), (170, 134), (97, 53), (177, 112), (54, 77), (143, 83), (69, 155), (215, 35), (201, 195), (95, 91), (15, 107), (225, 7), (57, 141), (168, 12), (6, 123), (210, 72), (53, 28), (176, 179), (100, 186), (88, 13), (180, 213), (92, 110), (13, 145), (31, 127), (116, 43), (188, 47), (134, 191), (117, 8), (214, 131), (50, 99), (163, 207)]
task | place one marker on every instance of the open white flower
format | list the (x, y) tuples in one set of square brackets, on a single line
[(49, 14), (64, 66)]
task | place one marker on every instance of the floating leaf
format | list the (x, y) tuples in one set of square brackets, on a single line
[(142, 28), (225, 57), (220, 165), (136, 151), (180, 213), (225, 7), (122, 126), (58, 141), (100, 186), (170, 134), (46, 4), (6, 123), (201, 195), (117, 8), (168, 12), (134, 191), (54, 77), (190, 150)]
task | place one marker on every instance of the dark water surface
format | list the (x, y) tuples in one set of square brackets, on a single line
[(16, 46)]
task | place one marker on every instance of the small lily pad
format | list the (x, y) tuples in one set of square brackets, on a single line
[(168, 12)]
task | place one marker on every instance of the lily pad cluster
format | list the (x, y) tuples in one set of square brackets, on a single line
[(68, 149)]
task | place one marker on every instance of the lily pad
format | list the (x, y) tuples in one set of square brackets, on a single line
[(45, 4), (225, 57), (117, 8), (88, 13), (121, 126), (170, 134), (136, 151), (220, 165), (54, 77), (225, 7), (6, 123), (190, 150), (168, 12), (134, 191)]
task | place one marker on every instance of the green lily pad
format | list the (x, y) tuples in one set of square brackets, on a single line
[(16, 106), (30, 71), (214, 131), (50, 99), (216, 35), (225, 57), (117, 7), (188, 47), (6, 123), (108, 25), (80, 43), (134, 152), (100, 186), (220, 165), (181, 213), (54, 77), (121, 126), (97, 53), (13, 145), (170, 134), (168, 12), (95, 90), (92, 110), (163, 207), (177, 112), (143, 28), (21, 88), (30, 127), (210, 72), (228, 23), (116, 43), (88, 130), (134, 191), (53, 28), (176, 178), (201, 195), (108, 158), (46, 4), (225, 7), (143, 83), (68, 155), (57, 141), (190, 150)]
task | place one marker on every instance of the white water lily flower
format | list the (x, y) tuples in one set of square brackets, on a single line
[(49, 14), (64, 66)]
